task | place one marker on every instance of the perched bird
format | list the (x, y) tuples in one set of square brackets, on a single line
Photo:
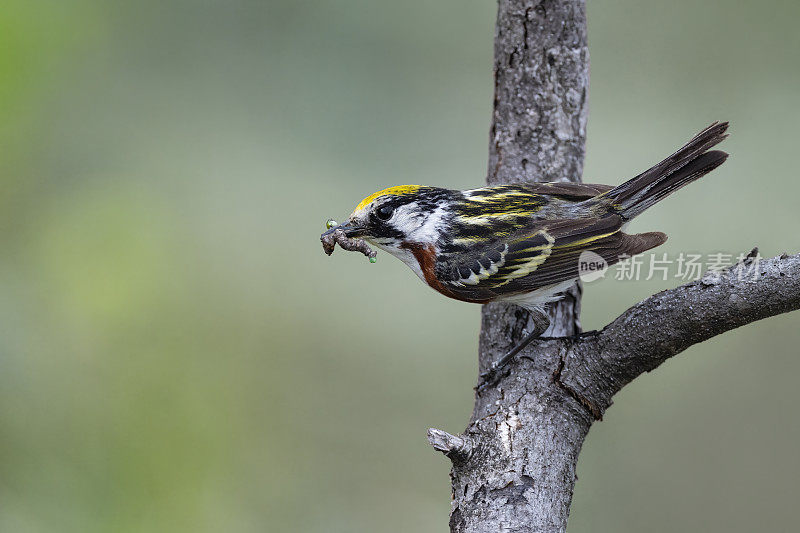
[(522, 243)]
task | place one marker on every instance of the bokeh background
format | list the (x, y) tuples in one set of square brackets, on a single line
[(177, 353)]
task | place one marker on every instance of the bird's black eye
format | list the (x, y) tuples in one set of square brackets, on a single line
[(384, 212)]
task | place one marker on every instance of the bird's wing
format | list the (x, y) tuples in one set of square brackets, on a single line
[(567, 190), (544, 254)]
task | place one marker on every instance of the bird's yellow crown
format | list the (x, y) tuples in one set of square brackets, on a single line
[(398, 190)]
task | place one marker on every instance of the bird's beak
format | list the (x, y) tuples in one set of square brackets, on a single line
[(350, 229)]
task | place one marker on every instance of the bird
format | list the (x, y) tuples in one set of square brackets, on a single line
[(521, 243)]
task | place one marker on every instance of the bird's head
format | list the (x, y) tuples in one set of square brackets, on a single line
[(394, 218)]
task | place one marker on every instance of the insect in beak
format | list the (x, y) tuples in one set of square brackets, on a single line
[(350, 229)]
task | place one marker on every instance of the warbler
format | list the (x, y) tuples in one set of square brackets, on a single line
[(521, 243)]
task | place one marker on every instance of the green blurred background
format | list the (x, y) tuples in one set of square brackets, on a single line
[(177, 353)]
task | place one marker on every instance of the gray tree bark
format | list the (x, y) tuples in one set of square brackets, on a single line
[(514, 466)]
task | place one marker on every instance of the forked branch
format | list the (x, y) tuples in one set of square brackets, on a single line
[(514, 465)]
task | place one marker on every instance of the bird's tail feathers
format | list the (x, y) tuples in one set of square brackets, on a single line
[(692, 161)]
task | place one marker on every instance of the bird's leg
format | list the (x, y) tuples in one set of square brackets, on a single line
[(490, 376)]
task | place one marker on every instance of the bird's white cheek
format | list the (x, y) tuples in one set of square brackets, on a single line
[(423, 228)]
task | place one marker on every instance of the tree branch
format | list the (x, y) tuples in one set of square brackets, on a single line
[(456, 448), (538, 133), (525, 436), (669, 322), (513, 469)]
